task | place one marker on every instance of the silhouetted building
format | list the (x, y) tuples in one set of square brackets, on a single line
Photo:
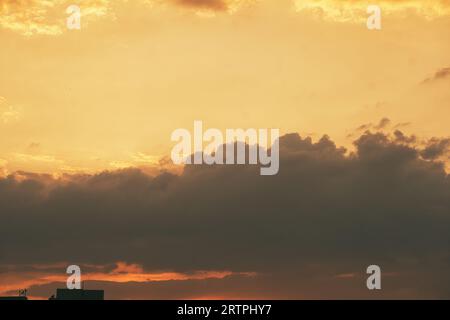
[(14, 298), (78, 294), (22, 296)]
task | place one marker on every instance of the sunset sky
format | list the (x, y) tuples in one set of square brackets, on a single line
[(86, 118)]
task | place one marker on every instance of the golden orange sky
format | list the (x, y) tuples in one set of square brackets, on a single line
[(109, 95)]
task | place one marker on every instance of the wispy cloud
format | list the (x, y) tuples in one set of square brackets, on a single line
[(9, 113), (140, 157), (36, 157), (120, 164), (229, 6), (443, 73), (356, 11)]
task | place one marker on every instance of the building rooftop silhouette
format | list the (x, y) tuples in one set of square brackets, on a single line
[(78, 294), (14, 298), (22, 296)]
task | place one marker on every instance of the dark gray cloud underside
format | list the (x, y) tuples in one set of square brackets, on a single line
[(382, 205)]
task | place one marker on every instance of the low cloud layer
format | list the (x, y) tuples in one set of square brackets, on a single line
[(325, 214)]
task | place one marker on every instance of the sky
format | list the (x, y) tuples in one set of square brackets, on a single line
[(86, 118)]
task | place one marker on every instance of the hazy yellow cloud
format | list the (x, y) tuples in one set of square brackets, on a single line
[(120, 164), (48, 17), (9, 113), (355, 11), (138, 159), (141, 157), (31, 17), (39, 157)]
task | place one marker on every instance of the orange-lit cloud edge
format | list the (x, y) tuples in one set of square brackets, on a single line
[(123, 272)]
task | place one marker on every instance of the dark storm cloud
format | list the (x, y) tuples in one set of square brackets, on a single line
[(381, 205)]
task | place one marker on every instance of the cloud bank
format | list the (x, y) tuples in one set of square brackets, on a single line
[(325, 214)]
